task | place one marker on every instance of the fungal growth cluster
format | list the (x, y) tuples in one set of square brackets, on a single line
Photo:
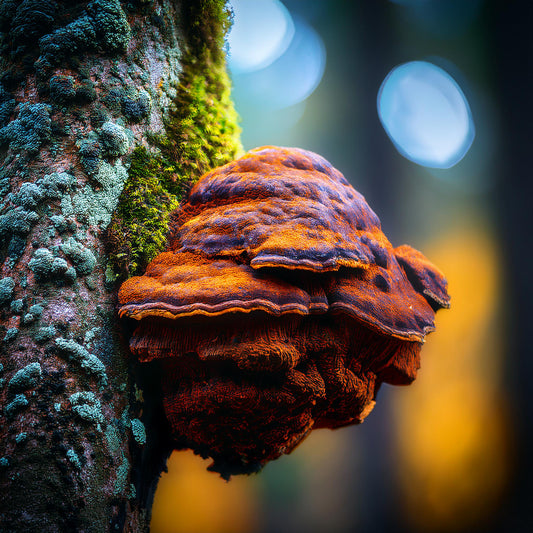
[(278, 307)]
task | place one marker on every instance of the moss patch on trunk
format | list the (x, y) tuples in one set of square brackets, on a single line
[(201, 133)]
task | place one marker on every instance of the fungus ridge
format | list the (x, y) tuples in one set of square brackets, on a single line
[(278, 208)]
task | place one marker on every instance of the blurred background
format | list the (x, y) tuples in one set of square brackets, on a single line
[(424, 106)]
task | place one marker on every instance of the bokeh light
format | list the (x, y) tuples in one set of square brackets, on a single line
[(426, 115), (189, 499), (288, 80), (262, 30), (453, 425)]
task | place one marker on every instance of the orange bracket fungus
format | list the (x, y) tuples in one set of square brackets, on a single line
[(279, 306)]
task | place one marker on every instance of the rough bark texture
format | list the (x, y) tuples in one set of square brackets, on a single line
[(108, 110)]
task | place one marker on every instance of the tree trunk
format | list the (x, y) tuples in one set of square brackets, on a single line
[(108, 111)]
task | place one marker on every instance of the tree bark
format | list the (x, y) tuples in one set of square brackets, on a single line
[(108, 111)]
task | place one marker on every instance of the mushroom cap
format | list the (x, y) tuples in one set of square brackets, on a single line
[(282, 232), (425, 277), (178, 285), (280, 207)]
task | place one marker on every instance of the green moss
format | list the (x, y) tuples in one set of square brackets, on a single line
[(201, 133), (139, 226)]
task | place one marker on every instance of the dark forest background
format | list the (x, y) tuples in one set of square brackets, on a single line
[(452, 452)]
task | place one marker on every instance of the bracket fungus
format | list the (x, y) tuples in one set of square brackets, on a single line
[(279, 306)]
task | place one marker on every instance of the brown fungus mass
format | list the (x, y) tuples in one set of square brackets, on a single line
[(280, 306)]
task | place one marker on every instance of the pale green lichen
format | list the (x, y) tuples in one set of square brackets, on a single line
[(113, 439), (87, 406), (91, 334), (59, 223), (103, 25), (26, 378), (114, 139), (28, 318), (55, 185), (136, 106), (46, 266), (83, 258), (28, 196), (122, 476), (139, 431), (21, 437), (45, 334), (95, 207), (72, 456), (11, 334), (62, 88), (18, 403), (86, 360), (29, 130), (41, 264), (36, 310), (17, 306), (59, 266), (90, 151), (7, 285), (17, 221)]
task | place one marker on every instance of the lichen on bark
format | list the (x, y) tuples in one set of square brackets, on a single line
[(97, 105)]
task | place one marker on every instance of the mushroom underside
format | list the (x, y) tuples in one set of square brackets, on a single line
[(244, 389)]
